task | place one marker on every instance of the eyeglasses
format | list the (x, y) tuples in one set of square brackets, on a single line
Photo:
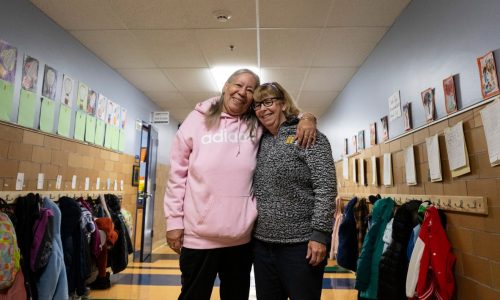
[(266, 103)]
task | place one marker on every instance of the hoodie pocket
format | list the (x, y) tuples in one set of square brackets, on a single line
[(227, 217)]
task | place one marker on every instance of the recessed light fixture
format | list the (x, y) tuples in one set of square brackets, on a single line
[(222, 73), (222, 15)]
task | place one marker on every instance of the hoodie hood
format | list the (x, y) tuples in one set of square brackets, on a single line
[(203, 107)]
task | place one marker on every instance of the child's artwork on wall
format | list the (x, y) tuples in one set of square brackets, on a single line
[(361, 140), (450, 96), (428, 102), (373, 134), (385, 128), (488, 75), (407, 116)]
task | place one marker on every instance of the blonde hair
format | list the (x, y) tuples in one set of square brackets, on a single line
[(212, 118), (275, 90)]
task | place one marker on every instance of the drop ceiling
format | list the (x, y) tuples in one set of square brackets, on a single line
[(166, 48)]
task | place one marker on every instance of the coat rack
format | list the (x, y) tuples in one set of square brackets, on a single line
[(10, 196), (464, 204)]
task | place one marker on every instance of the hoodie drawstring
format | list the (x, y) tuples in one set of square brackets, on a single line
[(239, 123)]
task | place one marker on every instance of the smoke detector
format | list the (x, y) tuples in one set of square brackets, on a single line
[(222, 15)]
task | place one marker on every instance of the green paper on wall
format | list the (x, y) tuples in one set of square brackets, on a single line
[(6, 93), (90, 129), (80, 120), (100, 128), (107, 138), (115, 139), (121, 145), (64, 121), (26, 116), (47, 115)]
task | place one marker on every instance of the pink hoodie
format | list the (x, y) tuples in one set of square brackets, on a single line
[(209, 191)]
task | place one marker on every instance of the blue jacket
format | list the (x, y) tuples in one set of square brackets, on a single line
[(53, 283), (347, 253)]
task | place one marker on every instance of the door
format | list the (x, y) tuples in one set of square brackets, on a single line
[(143, 239)]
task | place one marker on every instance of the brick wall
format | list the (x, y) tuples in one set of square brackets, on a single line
[(475, 238), (32, 152)]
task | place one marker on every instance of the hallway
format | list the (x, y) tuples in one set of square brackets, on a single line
[(160, 279)]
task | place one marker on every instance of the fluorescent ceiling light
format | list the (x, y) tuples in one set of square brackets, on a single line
[(222, 73)]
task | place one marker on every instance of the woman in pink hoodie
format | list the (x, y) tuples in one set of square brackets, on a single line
[(209, 205)]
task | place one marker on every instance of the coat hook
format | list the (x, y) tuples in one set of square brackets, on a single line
[(472, 206), (461, 205)]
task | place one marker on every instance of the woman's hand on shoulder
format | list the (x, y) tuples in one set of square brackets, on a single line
[(306, 130)]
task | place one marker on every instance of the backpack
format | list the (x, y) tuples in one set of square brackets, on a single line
[(9, 252), (41, 248)]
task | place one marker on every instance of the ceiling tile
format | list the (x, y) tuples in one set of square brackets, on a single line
[(148, 80), (288, 47), (194, 79), (328, 79), (80, 15), (366, 12), (199, 97), (171, 99), (179, 114), (293, 13), (347, 47), (151, 14), (290, 78), (316, 99), (172, 48), (118, 48), (215, 45)]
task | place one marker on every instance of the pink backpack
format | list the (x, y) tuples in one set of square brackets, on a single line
[(9, 252)]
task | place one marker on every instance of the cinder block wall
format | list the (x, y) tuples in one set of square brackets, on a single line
[(475, 238)]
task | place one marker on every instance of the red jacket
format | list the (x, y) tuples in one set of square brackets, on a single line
[(435, 279)]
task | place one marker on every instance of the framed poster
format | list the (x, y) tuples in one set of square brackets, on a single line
[(429, 104), (407, 116), (450, 96), (361, 140), (488, 75), (373, 133), (385, 128)]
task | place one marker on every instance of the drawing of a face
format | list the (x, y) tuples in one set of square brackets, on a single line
[(68, 86), (51, 77)]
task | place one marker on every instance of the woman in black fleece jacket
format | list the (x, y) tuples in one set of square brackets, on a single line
[(295, 190)]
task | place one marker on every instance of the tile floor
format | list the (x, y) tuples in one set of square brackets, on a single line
[(160, 279)]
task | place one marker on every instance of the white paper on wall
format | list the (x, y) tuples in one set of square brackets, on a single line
[(411, 175), (362, 179), (387, 169), (39, 183), (455, 145), (58, 182), (490, 116), (354, 171), (394, 106), (19, 181), (434, 158), (345, 167), (374, 171), (73, 182)]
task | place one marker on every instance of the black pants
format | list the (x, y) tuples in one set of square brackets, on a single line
[(282, 271), (199, 268)]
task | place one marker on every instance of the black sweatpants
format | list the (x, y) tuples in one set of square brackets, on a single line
[(199, 267)]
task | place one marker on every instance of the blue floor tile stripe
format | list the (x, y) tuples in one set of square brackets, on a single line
[(175, 280)]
